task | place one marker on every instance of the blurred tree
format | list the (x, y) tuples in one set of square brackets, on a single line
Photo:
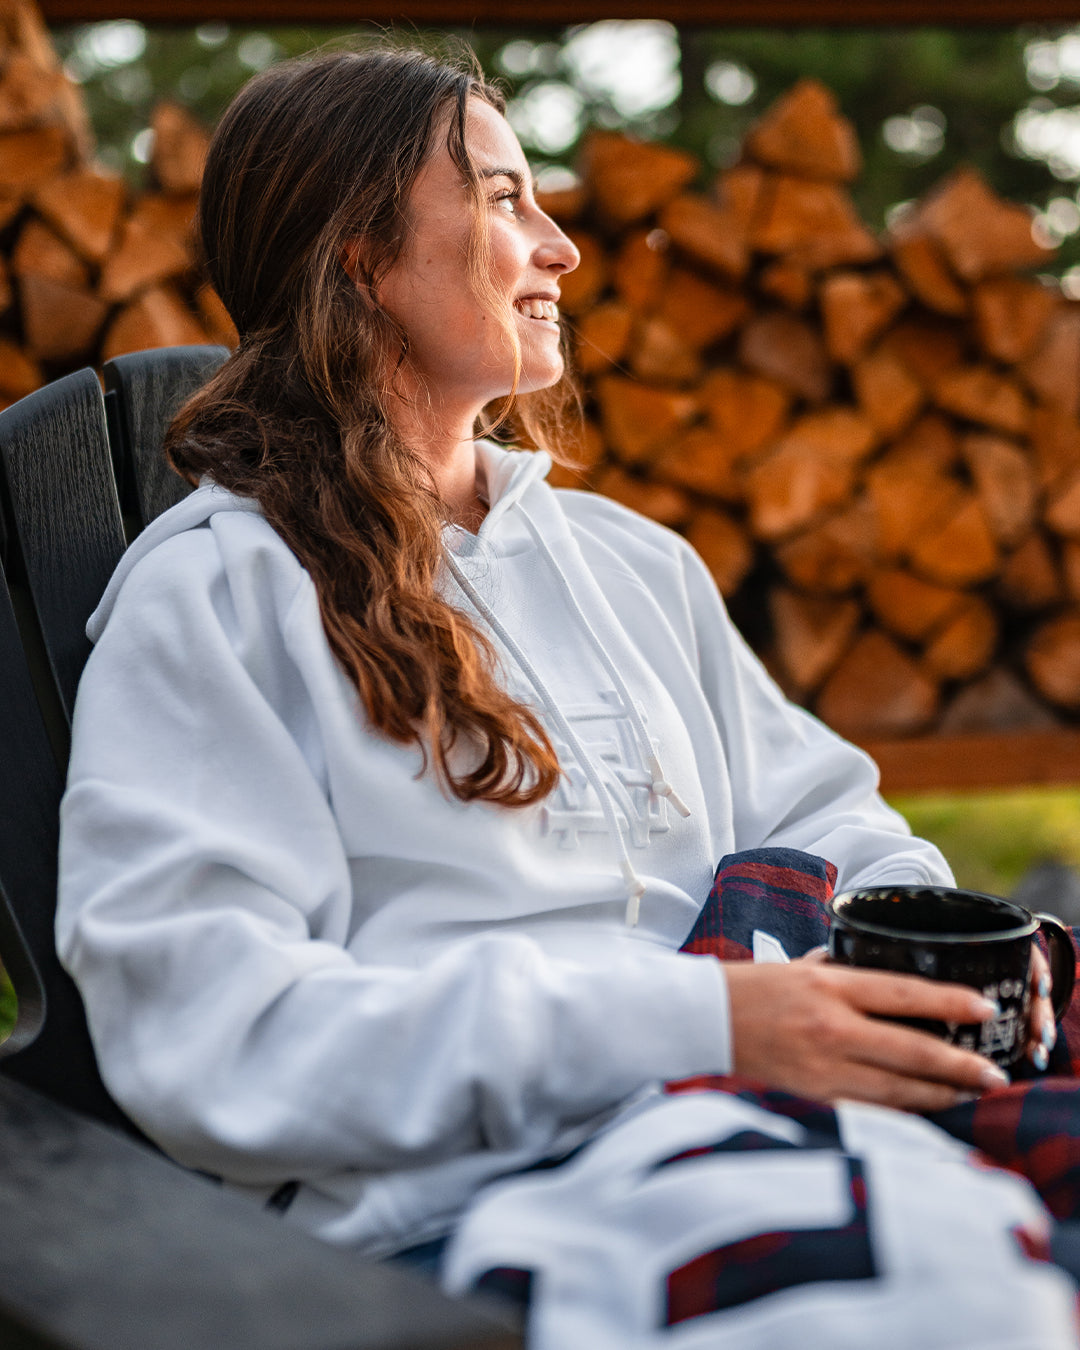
[(922, 100)]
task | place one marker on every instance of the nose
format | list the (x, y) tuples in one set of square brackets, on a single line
[(556, 252)]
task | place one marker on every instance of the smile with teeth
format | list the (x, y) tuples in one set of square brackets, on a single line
[(534, 308)]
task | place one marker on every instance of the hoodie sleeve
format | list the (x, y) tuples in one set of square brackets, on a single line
[(205, 911), (795, 783)]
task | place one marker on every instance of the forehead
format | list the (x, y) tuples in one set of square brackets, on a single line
[(490, 138)]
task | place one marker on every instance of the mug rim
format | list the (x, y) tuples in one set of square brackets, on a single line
[(1026, 926)]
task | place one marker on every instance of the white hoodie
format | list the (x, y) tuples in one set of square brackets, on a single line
[(301, 960)]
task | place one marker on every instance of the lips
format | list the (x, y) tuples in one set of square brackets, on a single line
[(536, 307)]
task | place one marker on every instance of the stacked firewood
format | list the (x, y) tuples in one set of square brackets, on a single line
[(87, 270), (873, 442)]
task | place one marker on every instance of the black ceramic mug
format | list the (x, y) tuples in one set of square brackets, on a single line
[(963, 937)]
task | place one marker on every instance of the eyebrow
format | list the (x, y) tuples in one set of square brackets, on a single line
[(515, 175)]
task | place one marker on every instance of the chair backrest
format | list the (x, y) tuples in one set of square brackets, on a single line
[(143, 392), (62, 539), (61, 536)]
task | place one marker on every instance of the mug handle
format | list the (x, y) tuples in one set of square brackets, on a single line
[(1062, 961)]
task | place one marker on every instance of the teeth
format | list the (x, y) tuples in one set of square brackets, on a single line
[(535, 308)]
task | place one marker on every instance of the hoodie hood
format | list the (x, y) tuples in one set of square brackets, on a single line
[(503, 477)]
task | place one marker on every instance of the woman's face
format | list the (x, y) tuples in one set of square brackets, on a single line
[(459, 356)]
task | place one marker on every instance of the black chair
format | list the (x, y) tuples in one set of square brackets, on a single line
[(103, 1242)]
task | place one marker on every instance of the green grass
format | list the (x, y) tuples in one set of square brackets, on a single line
[(991, 838), (7, 1005)]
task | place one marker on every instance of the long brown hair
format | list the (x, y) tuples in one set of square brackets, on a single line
[(314, 153)]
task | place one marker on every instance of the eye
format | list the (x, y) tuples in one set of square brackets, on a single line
[(508, 201)]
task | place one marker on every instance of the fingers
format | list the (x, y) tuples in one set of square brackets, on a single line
[(1043, 1027), (875, 991), (918, 1055)]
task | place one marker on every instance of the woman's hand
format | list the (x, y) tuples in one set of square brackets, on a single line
[(806, 1027), (1043, 1026)]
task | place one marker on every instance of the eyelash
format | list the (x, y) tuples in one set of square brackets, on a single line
[(511, 196)]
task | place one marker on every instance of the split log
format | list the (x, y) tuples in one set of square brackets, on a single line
[(744, 190), (834, 556), (1052, 660), (215, 318), (83, 206), (856, 307), (997, 702), (958, 549), (640, 269), (30, 158), (637, 420), (180, 145), (983, 396), (1070, 567), (789, 351), (789, 282), (1052, 371), (927, 345), (60, 322), (699, 312), (923, 268), (1011, 314), (41, 252), (1005, 484), (1030, 578), (813, 224), (887, 392), (787, 490), (803, 133), (143, 258), (810, 634), (877, 690), (658, 354), (748, 411), (6, 293), (980, 234), (158, 318), (723, 546), (632, 179), (908, 503), (708, 234), (1063, 510), (964, 646), (701, 460), (909, 607), (1055, 442)]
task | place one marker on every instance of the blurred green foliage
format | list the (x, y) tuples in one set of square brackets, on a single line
[(7, 1005), (922, 100)]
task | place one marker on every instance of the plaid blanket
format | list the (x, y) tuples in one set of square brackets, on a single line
[(1031, 1127)]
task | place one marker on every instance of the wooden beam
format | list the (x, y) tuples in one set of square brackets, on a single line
[(1001, 760), (744, 13)]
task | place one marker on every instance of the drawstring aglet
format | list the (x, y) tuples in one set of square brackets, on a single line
[(635, 889), (660, 787)]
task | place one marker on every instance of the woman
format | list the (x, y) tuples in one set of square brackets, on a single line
[(381, 896)]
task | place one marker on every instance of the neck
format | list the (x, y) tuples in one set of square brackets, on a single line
[(447, 447)]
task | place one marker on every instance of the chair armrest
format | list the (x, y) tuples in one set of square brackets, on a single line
[(106, 1246)]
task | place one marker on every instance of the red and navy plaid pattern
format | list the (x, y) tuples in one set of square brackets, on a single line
[(1031, 1127)]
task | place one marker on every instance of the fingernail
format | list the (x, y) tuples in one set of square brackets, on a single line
[(1044, 985), (1049, 1035), (993, 1076), (1040, 1057), (985, 1008), (962, 1098)]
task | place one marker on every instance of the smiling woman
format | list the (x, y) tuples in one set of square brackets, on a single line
[(391, 904)]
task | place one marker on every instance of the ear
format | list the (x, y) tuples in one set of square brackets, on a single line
[(350, 257)]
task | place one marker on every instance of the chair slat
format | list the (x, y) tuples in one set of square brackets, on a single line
[(65, 514), (149, 388)]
